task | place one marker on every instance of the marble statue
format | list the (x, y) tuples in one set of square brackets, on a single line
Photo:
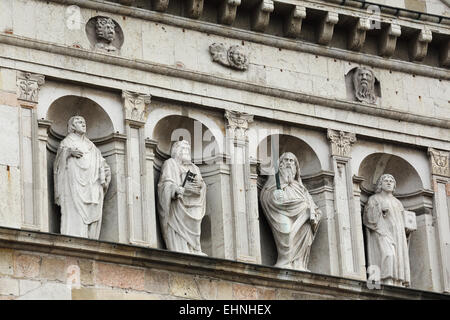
[(181, 201), (105, 31), (233, 57), (292, 214), (364, 85), (386, 234), (81, 177)]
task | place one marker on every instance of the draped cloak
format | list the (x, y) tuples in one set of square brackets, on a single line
[(289, 221), (180, 218), (78, 186), (387, 245)]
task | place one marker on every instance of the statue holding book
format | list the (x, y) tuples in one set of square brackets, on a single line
[(291, 212), (181, 201)]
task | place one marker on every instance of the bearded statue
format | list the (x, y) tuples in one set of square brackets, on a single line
[(364, 85)]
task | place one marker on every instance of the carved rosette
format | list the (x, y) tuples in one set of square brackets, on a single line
[(237, 124), (28, 86), (341, 142), (136, 106), (233, 57), (440, 164)]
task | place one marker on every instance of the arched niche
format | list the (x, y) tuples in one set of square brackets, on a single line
[(409, 185), (410, 191), (99, 130), (98, 123), (205, 151), (309, 168)]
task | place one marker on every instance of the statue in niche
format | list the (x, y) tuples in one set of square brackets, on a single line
[(181, 201), (387, 226), (234, 57), (364, 85), (292, 214), (81, 177), (105, 31)]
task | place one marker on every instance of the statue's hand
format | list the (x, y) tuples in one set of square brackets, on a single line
[(193, 188), (76, 153), (279, 195), (179, 192)]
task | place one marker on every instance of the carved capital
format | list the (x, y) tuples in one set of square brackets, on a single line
[(28, 86), (419, 45), (194, 8), (160, 5), (227, 11), (136, 106), (261, 15), (341, 142), (440, 164), (388, 40), (237, 124), (326, 28), (293, 22), (357, 36)]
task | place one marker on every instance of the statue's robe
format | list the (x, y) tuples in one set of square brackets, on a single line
[(80, 184), (290, 222), (387, 245), (180, 218)]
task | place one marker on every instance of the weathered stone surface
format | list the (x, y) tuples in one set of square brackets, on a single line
[(156, 281), (26, 286), (113, 294), (53, 268), (9, 286), (184, 286), (49, 291), (6, 262), (113, 275), (244, 292), (26, 265)]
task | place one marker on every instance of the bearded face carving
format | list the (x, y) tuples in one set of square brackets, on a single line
[(105, 31), (364, 85)]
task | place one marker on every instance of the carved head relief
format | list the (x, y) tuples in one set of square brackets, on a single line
[(76, 124), (105, 29), (364, 85), (104, 34), (289, 167), (234, 57)]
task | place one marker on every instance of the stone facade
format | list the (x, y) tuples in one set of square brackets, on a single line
[(233, 79)]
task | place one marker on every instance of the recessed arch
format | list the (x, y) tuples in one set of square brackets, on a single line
[(99, 124)]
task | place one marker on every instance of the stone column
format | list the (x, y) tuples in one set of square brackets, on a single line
[(140, 202), (42, 165), (32, 175), (347, 211), (440, 169), (243, 189)]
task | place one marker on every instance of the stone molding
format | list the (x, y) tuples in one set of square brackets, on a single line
[(136, 106), (230, 83), (329, 10), (341, 142), (204, 266), (440, 162), (28, 86)]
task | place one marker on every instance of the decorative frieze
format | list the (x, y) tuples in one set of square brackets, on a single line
[(261, 15), (227, 11), (326, 28), (136, 106), (341, 142), (388, 40), (440, 164), (28, 86), (293, 23), (419, 45), (357, 36), (233, 57)]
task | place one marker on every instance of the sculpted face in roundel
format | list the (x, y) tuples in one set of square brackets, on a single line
[(105, 29)]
